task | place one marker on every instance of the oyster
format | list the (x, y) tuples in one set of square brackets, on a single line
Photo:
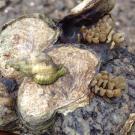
[(7, 112), (38, 104), (88, 12), (24, 36)]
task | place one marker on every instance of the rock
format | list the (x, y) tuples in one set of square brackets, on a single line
[(38, 103)]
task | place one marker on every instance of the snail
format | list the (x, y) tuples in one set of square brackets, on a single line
[(40, 67)]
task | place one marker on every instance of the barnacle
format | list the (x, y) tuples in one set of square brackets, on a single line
[(105, 84), (102, 32)]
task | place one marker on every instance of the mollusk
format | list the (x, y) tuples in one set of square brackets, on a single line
[(41, 69), (38, 104), (22, 37)]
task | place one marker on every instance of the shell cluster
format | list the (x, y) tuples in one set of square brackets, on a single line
[(105, 84), (102, 32)]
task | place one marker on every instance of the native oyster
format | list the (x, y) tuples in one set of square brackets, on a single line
[(22, 37), (37, 104)]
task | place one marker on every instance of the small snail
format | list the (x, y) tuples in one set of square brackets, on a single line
[(40, 67)]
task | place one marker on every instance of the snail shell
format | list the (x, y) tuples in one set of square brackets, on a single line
[(41, 68)]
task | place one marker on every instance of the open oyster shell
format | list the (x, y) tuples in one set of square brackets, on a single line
[(8, 116), (90, 10), (22, 37), (37, 104)]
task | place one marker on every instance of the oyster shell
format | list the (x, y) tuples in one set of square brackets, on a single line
[(88, 12), (24, 36), (7, 113), (38, 104)]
